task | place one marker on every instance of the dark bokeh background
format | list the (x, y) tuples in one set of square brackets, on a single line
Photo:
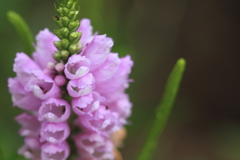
[(205, 122)]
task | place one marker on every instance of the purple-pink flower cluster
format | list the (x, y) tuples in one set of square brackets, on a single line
[(95, 79)]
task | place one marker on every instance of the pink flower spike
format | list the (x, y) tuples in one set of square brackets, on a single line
[(42, 86), (81, 86), (87, 104), (44, 48), (107, 69), (77, 66), (30, 125), (94, 146), (59, 151), (98, 50), (54, 132), (54, 110)]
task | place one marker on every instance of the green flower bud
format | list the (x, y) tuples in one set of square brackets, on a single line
[(74, 16), (65, 11), (60, 11), (65, 43), (69, 4), (71, 14), (58, 21), (74, 6), (75, 36), (58, 33), (73, 25), (73, 48), (57, 56), (64, 32), (65, 21), (58, 45), (64, 54)]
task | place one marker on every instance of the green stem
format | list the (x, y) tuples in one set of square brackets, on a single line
[(163, 110), (23, 30)]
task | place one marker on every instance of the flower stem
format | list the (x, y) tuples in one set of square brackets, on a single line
[(163, 110), (23, 30)]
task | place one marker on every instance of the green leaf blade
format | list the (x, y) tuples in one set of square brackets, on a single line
[(23, 30), (163, 110)]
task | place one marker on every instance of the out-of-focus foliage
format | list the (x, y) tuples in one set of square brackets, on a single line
[(205, 122)]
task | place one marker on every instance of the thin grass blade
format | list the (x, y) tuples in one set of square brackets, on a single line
[(163, 110), (23, 30)]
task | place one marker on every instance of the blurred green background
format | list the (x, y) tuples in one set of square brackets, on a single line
[(205, 121)]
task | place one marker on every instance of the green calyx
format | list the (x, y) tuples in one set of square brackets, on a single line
[(69, 38)]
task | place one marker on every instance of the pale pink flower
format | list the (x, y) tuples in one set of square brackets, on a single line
[(81, 86), (58, 151), (44, 48), (77, 66), (54, 110)]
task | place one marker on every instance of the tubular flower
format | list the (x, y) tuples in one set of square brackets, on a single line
[(72, 74)]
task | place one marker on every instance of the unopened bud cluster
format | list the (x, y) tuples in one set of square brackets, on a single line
[(69, 38)]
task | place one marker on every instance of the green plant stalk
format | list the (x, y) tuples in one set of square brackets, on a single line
[(163, 110), (23, 30)]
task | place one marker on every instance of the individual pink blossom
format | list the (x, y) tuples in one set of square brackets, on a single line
[(22, 98), (107, 69), (54, 132), (81, 86), (87, 104), (102, 121), (77, 66), (42, 86), (119, 82), (30, 125), (44, 48), (122, 106), (94, 146), (31, 148), (23, 66), (86, 29), (98, 50), (58, 151), (54, 110)]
